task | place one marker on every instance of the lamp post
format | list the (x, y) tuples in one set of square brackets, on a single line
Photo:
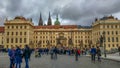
[(104, 44), (39, 44), (48, 43), (31, 44)]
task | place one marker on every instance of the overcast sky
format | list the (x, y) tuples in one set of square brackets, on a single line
[(78, 12)]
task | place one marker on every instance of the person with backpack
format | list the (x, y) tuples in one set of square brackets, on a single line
[(26, 55), (18, 57), (98, 54), (93, 53), (11, 53)]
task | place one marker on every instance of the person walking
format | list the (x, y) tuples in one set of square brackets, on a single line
[(11, 53), (76, 54), (55, 51), (93, 53), (98, 54), (26, 55), (18, 57), (51, 52)]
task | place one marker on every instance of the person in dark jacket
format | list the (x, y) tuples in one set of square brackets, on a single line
[(18, 57), (26, 55), (55, 51), (51, 52), (76, 54), (98, 53), (11, 53), (93, 53)]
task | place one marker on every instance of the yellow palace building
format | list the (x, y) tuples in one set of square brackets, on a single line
[(21, 31)]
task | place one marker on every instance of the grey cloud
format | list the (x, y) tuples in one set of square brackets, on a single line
[(83, 12), (80, 12)]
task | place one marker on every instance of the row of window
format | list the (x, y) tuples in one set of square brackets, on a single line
[(56, 32), (68, 37), (110, 26), (112, 45), (16, 33), (17, 27), (45, 41), (112, 39), (108, 33), (12, 40), (86, 41)]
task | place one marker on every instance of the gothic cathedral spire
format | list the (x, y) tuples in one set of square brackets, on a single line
[(49, 20), (40, 21)]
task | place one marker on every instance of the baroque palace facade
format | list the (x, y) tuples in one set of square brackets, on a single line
[(21, 31)]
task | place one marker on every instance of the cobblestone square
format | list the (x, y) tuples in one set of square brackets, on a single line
[(63, 61)]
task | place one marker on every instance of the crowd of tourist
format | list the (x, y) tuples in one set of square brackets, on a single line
[(16, 54)]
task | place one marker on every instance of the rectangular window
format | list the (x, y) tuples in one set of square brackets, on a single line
[(115, 26), (25, 33), (113, 45), (108, 32), (16, 33), (107, 26), (117, 39), (117, 45), (12, 27), (25, 27), (8, 27), (2, 42), (20, 27), (85, 41), (20, 40), (16, 27), (111, 26), (108, 39), (12, 33), (116, 33), (7, 33), (76, 41), (112, 39), (7, 40), (11, 40), (112, 32), (16, 40), (108, 45), (24, 40), (20, 33)]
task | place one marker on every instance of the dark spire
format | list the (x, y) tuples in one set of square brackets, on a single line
[(40, 20), (49, 20)]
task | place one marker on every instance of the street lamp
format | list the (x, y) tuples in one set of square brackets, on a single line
[(48, 43), (31, 44), (104, 44), (39, 43)]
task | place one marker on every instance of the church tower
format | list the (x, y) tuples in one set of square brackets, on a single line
[(40, 21), (57, 20), (49, 20)]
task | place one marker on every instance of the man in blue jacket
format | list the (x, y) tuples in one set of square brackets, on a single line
[(11, 53), (93, 53), (18, 57)]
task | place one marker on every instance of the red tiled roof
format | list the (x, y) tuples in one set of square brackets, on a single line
[(1, 29), (56, 27)]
